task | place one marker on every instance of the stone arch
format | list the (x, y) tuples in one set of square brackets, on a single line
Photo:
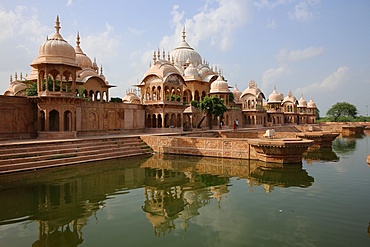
[(160, 121), (196, 96), (166, 120), (154, 121), (42, 120), (178, 120), (203, 95), (68, 121), (54, 120), (173, 120), (187, 97)]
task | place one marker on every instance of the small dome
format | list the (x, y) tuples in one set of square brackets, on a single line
[(161, 69), (237, 93), (56, 50), (253, 89), (311, 104), (131, 98), (290, 98), (275, 97), (191, 71), (14, 88), (184, 54), (302, 102), (82, 60), (219, 86)]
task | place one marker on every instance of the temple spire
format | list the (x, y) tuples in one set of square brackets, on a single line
[(183, 34), (78, 39), (57, 24)]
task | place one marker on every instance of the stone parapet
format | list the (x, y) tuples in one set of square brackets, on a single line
[(276, 150)]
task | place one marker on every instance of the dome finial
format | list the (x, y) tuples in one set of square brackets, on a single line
[(101, 69), (11, 78), (154, 57), (78, 39), (57, 24), (183, 34)]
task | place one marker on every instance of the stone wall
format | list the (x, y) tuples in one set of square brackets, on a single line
[(17, 118), (109, 118), (212, 147)]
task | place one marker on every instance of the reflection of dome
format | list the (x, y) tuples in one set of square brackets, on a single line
[(83, 60), (275, 97), (56, 50), (252, 89), (185, 54), (302, 102), (311, 104), (131, 98), (219, 86)]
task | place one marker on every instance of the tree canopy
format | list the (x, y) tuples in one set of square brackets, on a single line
[(342, 109), (213, 105)]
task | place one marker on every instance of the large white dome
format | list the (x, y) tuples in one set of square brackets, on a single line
[(184, 54)]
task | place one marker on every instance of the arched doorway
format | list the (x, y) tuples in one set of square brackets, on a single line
[(54, 120), (67, 121)]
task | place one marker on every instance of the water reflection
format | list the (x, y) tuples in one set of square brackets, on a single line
[(320, 154), (62, 200), (345, 145)]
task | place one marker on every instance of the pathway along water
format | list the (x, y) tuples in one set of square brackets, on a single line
[(192, 201)]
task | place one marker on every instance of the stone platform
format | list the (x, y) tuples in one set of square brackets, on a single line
[(288, 150)]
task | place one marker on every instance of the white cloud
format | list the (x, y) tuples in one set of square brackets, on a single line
[(22, 23), (298, 55), (271, 24), (270, 4), (216, 25), (329, 84), (273, 76), (304, 10), (103, 46), (69, 2)]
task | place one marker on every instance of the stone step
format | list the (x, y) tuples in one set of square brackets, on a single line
[(33, 155), (54, 154), (60, 149), (35, 146), (69, 161)]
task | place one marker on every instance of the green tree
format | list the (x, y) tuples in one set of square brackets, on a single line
[(213, 106), (194, 103), (116, 99), (31, 90), (342, 109)]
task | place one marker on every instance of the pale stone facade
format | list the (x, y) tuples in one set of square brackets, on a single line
[(71, 95)]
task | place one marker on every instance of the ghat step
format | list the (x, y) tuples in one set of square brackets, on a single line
[(36, 154)]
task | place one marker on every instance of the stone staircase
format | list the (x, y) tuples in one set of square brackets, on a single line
[(38, 154)]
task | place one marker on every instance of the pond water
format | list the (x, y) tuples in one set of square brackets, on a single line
[(193, 201)]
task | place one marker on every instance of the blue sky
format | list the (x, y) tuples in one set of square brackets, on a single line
[(315, 48)]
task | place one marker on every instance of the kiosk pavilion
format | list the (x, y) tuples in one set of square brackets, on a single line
[(70, 96)]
